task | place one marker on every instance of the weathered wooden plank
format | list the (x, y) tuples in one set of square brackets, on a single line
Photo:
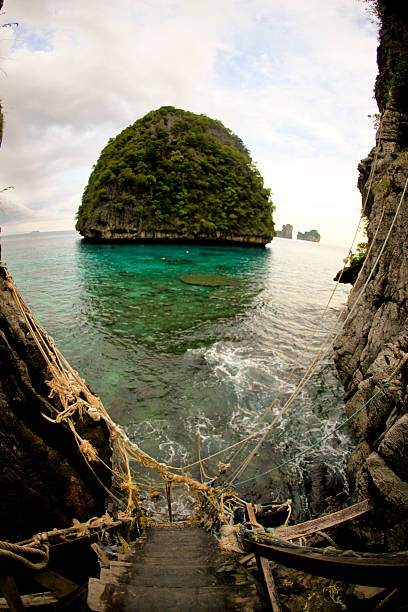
[(101, 555), (376, 570), (11, 594), (95, 592), (384, 602), (270, 584), (32, 601), (111, 576), (251, 516), (168, 495), (123, 564), (264, 566), (324, 522), (245, 559), (118, 573), (57, 584)]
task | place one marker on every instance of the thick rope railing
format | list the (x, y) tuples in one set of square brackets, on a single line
[(324, 312), (325, 352), (77, 399), (21, 555), (242, 443), (318, 358), (321, 354)]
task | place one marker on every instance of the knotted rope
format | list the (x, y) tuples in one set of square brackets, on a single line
[(22, 554)]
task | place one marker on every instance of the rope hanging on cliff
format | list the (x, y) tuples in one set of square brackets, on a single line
[(77, 399), (309, 372), (384, 386), (317, 325), (320, 355), (322, 352)]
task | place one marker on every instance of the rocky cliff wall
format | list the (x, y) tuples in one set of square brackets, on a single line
[(44, 480), (375, 337), (103, 232)]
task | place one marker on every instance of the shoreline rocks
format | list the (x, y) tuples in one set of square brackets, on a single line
[(101, 235)]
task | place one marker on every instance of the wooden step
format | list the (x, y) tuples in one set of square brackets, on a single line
[(175, 570), (173, 578), (165, 561), (197, 599), (36, 600)]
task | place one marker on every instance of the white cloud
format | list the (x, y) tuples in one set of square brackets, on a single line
[(294, 80)]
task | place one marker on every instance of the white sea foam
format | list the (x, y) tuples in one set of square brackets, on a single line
[(173, 453), (243, 368)]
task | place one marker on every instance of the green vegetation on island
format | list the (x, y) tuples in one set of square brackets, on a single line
[(176, 175), (392, 53)]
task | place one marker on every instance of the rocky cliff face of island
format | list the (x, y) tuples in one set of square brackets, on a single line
[(285, 232), (311, 236), (176, 176), (374, 340), (44, 480)]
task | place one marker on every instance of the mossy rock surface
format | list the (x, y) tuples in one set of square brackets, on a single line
[(209, 280), (175, 175)]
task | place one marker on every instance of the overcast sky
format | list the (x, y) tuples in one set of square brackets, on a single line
[(293, 78)]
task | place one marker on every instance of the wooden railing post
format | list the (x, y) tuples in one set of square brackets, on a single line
[(10, 592), (168, 492), (264, 567)]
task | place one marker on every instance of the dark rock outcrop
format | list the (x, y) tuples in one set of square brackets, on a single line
[(312, 236), (174, 176), (44, 480), (349, 275), (285, 232), (375, 336)]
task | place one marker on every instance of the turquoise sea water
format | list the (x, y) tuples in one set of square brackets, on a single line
[(179, 364)]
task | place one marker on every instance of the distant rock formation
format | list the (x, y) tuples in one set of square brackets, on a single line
[(312, 236), (180, 177), (285, 232)]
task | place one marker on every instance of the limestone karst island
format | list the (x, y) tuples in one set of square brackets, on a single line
[(176, 176)]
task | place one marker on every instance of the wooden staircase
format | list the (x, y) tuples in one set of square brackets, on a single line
[(176, 569)]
